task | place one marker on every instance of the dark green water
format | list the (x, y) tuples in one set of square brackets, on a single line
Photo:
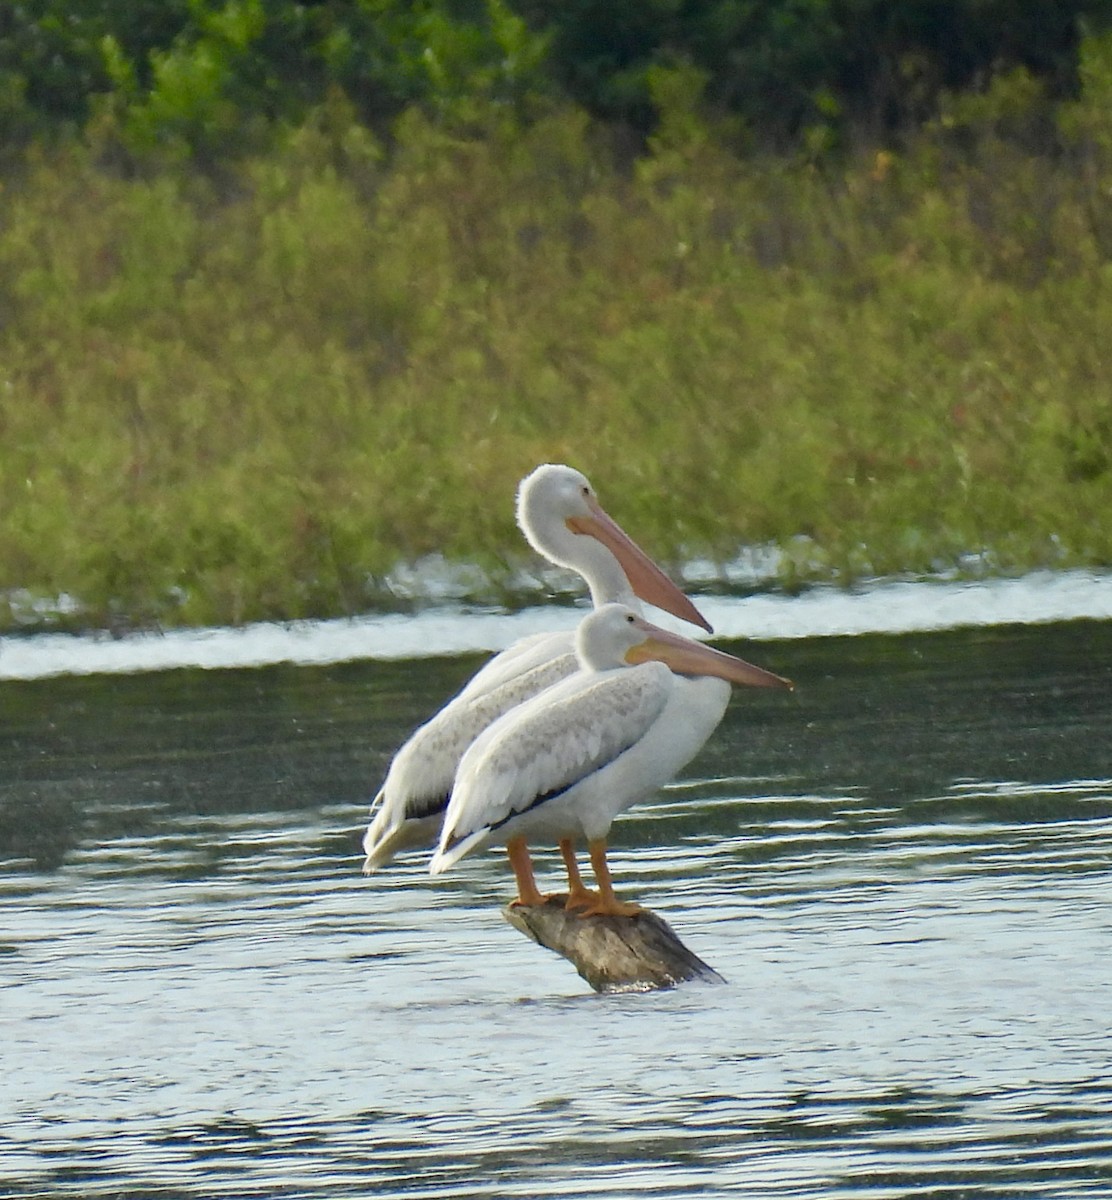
[(904, 872)]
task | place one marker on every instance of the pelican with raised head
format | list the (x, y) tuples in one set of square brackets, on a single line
[(564, 764), (561, 517)]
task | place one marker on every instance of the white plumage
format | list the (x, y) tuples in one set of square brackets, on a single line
[(565, 763), (562, 519)]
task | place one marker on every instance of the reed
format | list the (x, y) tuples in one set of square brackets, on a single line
[(255, 394)]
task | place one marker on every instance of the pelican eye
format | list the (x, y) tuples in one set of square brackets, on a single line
[(630, 618)]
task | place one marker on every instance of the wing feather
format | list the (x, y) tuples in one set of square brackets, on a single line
[(420, 777), (551, 743), (522, 657)]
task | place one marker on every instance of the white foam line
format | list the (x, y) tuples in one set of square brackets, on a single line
[(306, 643), (898, 607), (890, 607)]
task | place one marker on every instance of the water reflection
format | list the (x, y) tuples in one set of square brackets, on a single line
[(903, 873)]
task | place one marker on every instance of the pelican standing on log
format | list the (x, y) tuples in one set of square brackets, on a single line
[(565, 763), (560, 516)]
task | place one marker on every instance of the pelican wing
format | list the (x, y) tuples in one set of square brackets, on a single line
[(551, 743), (420, 777), (523, 656)]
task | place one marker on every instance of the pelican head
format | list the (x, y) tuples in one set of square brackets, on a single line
[(617, 636), (562, 520)]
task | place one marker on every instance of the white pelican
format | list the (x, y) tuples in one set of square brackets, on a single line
[(565, 763), (563, 521)]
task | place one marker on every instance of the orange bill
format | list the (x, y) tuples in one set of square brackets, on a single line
[(648, 581), (687, 657)]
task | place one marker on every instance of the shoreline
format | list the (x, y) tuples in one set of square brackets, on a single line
[(884, 607)]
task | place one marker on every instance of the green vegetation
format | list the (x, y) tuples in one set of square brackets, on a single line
[(211, 75), (251, 386)]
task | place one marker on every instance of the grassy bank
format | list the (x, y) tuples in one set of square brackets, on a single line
[(254, 395)]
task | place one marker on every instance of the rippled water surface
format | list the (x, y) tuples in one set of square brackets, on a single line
[(903, 872)]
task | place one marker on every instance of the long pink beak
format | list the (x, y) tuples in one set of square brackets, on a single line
[(686, 657), (648, 581)]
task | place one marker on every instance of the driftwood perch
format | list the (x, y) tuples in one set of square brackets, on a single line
[(613, 954)]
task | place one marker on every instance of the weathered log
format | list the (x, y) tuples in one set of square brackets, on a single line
[(613, 954)]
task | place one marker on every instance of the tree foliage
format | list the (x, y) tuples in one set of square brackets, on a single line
[(209, 74)]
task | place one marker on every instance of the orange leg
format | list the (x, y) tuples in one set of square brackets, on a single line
[(527, 892), (606, 904), (579, 895)]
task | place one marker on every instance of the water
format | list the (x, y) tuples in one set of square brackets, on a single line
[(903, 872), (884, 606)]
